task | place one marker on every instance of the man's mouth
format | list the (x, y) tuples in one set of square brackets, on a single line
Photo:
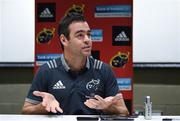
[(86, 47)]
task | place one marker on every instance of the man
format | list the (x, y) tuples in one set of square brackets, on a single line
[(75, 83)]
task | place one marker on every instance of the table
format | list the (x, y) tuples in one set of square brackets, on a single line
[(6, 117)]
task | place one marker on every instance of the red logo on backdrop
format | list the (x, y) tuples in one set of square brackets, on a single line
[(76, 8), (45, 35), (119, 60)]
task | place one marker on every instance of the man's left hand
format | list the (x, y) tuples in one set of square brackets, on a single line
[(99, 103)]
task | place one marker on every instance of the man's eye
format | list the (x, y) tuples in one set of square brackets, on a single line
[(80, 35)]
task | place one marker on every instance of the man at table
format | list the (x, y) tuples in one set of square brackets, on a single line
[(75, 83)]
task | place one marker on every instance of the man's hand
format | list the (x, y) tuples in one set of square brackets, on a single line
[(114, 99), (111, 105), (49, 102), (103, 104)]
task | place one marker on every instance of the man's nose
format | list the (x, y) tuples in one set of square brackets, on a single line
[(87, 38)]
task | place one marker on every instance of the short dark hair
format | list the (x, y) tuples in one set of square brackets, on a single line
[(63, 27)]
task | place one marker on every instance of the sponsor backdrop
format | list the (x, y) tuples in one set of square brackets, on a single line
[(111, 24)]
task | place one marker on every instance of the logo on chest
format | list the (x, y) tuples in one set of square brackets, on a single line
[(59, 85), (93, 85)]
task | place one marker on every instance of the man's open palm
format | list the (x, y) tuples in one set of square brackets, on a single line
[(49, 101)]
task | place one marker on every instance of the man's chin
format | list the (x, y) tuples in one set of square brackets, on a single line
[(87, 53)]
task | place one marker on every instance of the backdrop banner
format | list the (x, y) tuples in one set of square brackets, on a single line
[(111, 25)]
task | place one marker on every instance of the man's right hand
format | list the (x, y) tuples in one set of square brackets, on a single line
[(49, 102)]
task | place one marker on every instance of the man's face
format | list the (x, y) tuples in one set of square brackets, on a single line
[(79, 43)]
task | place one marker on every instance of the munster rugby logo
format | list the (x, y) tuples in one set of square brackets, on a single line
[(45, 35), (93, 85), (119, 60), (76, 8)]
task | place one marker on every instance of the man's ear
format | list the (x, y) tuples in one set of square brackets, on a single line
[(63, 39)]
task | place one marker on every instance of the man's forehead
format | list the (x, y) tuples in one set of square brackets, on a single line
[(79, 27)]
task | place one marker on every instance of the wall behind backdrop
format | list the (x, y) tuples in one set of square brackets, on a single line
[(17, 31), (156, 31)]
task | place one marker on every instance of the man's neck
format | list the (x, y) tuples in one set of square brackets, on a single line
[(75, 63)]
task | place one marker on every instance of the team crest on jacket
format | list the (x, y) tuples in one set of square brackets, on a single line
[(93, 85)]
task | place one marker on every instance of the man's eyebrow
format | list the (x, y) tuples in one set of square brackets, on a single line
[(79, 31)]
